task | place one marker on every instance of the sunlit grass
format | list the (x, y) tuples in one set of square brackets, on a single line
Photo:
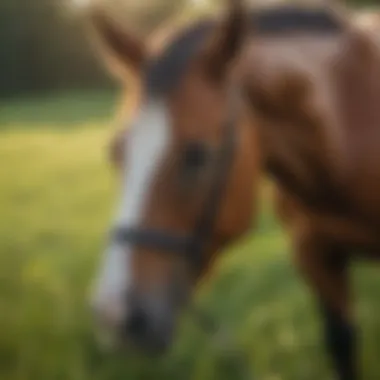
[(56, 198)]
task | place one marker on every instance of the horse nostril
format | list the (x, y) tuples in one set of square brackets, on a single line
[(137, 323)]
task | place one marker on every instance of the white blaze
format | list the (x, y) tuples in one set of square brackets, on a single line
[(147, 143)]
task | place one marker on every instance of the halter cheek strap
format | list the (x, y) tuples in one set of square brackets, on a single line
[(193, 246)]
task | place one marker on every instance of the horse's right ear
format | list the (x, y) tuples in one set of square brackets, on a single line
[(228, 39), (125, 49)]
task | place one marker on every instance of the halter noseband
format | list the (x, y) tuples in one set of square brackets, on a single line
[(193, 245)]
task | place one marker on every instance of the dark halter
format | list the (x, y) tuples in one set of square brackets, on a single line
[(193, 246)]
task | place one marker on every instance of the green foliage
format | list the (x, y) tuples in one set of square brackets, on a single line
[(56, 195), (45, 47), (44, 50)]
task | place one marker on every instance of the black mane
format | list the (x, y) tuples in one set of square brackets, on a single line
[(164, 72)]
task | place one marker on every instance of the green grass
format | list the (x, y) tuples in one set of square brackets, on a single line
[(62, 110), (56, 196)]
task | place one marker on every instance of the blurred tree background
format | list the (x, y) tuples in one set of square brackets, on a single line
[(43, 46)]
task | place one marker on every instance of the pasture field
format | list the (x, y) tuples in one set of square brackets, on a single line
[(56, 198)]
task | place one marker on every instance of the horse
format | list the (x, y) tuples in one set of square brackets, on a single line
[(288, 92)]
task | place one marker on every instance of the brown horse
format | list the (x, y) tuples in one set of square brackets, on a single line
[(289, 91)]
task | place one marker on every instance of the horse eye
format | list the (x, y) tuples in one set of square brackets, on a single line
[(195, 156)]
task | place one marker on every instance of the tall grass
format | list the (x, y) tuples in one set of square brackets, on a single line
[(56, 198)]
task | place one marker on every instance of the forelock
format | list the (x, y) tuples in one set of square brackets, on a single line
[(165, 70)]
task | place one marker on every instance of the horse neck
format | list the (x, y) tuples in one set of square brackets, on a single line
[(358, 85), (309, 133), (301, 142)]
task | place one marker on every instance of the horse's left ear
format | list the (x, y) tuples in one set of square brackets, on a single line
[(228, 39)]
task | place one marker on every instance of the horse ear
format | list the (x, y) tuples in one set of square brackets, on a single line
[(228, 39), (125, 48)]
